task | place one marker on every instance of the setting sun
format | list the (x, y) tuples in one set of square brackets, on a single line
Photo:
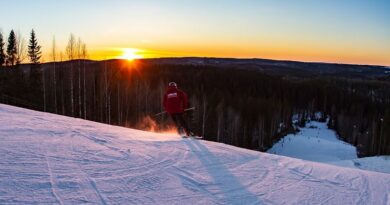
[(131, 54)]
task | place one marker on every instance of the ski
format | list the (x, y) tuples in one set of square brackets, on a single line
[(192, 137)]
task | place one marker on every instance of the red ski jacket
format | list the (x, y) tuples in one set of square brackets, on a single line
[(175, 100)]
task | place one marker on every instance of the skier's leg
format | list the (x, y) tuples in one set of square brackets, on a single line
[(176, 120), (184, 124)]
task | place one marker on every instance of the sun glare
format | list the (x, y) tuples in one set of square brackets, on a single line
[(131, 54)]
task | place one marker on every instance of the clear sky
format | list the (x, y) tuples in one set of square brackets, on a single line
[(344, 31)]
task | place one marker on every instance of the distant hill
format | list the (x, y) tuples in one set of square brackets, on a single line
[(273, 67), (285, 68)]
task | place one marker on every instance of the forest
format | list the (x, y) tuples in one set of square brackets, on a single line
[(241, 107)]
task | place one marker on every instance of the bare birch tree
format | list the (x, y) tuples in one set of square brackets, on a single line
[(21, 49), (84, 55), (204, 115), (79, 56), (44, 89), (54, 55), (71, 53), (108, 98)]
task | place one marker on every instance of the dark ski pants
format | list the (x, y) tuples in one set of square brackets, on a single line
[(178, 119)]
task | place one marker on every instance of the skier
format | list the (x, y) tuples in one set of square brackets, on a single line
[(175, 102)]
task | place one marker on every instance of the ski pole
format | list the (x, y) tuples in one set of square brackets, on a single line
[(188, 109), (163, 112), (160, 113)]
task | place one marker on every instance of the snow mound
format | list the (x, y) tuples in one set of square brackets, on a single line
[(51, 159)]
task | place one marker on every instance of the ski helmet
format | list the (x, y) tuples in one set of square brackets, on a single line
[(172, 84)]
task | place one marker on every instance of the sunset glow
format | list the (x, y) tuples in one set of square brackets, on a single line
[(303, 30), (130, 54)]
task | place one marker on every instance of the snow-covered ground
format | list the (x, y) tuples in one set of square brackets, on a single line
[(315, 142), (377, 164), (50, 159)]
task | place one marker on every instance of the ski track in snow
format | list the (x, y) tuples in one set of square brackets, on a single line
[(52, 184), (50, 159)]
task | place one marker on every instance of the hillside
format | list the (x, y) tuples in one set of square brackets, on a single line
[(52, 159)]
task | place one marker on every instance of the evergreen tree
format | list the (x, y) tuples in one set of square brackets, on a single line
[(11, 49), (2, 54), (34, 50)]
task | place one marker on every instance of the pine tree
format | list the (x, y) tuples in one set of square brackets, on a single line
[(34, 50), (11, 49), (2, 54)]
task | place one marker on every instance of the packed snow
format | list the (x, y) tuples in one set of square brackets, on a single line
[(51, 159)]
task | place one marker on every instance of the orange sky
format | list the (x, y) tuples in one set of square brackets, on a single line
[(347, 31)]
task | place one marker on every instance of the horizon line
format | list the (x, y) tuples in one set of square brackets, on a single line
[(213, 57)]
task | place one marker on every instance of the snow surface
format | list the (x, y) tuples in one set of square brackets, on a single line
[(377, 164), (51, 159), (316, 142)]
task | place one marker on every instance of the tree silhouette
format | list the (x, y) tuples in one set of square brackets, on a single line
[(2, 54), (34, 50), (11, 49)]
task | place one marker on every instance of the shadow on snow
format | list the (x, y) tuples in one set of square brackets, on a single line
[(231, 190)]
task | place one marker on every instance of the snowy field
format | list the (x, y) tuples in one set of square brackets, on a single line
[(50, 159), (315, 142)]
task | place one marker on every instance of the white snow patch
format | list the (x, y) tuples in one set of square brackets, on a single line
[(51, 159)]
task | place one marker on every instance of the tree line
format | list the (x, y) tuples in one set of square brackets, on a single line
[(16, 53), (16, 49)]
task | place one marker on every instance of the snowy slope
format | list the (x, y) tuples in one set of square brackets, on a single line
[(378, 163), (53, 159), (315, 142)]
